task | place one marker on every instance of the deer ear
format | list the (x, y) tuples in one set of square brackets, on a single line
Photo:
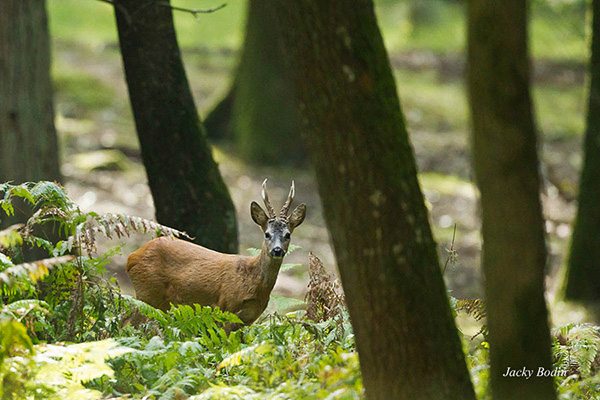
[(258, 215), (297, 216)]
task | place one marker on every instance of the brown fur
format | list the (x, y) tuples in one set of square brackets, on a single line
[(167, 270)]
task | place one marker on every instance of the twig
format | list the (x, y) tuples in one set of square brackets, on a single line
[(193, 11), (451, 251)]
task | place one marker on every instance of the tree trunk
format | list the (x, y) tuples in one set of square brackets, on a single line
[(583, 274), (405, 334), (264, 121), (28, 143), (506, 170), (186, 185)]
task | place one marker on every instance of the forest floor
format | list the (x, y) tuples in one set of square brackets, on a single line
[(103, 170)]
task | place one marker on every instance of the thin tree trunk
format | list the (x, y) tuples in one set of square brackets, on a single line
[(405, 334), (188, 190), (28, 143), (506, 170), (260, 113), (583, 273)]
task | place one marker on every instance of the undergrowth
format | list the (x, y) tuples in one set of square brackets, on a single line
[(67, 332)]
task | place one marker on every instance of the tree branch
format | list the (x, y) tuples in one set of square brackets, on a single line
[(193, 11)]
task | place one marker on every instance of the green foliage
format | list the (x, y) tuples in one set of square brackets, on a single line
[(161, 355), (576, 361), (576, 350), (188, 351), (279, 355), (14, 344)]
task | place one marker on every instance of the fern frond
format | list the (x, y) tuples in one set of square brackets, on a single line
[(289, 267), (47, 213), (52, 192), (5, 262), (292, 248), (27, 304), (283, 304), (36, 194), (32, 271), (325, 297), (253, 251), (245, 354), (21, 308), (10, 237), (39, 242), (123, 225), (472, 307), (144, 308)]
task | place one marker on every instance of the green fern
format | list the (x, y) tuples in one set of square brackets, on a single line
[(253, 251), (282, 304), (16, 277), (10, 237), (474, 308), (290, 267)]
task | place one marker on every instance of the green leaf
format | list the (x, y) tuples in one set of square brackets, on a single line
[(289, 267), (283, 304), (292, 248), (253, 251)]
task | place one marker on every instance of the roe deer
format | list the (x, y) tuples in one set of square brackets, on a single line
[(167, 270)]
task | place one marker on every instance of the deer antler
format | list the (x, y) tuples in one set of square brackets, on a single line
[(265, 196), (286, 207)]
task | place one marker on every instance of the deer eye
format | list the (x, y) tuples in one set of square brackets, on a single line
[(287, 236), (267, 235)]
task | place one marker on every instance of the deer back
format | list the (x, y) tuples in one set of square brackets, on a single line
[(167, 270)]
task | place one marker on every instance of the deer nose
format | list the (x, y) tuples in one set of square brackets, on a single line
[(277, 252)]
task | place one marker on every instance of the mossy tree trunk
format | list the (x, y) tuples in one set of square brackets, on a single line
[(28, 142), (188, 190), (259, 114), (405, 334), (583, 273), (506, 170)]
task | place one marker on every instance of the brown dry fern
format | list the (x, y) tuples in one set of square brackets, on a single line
[(325, 298)]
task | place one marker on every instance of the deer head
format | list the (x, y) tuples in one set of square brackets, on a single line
[(277, 229)]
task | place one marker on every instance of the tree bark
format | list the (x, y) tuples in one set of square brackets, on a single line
[(263, 121), (405, 334), (506, 170), (188, 190), (28, 142), (583, 273)]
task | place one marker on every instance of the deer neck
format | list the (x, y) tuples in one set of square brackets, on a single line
[(269, 266)]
